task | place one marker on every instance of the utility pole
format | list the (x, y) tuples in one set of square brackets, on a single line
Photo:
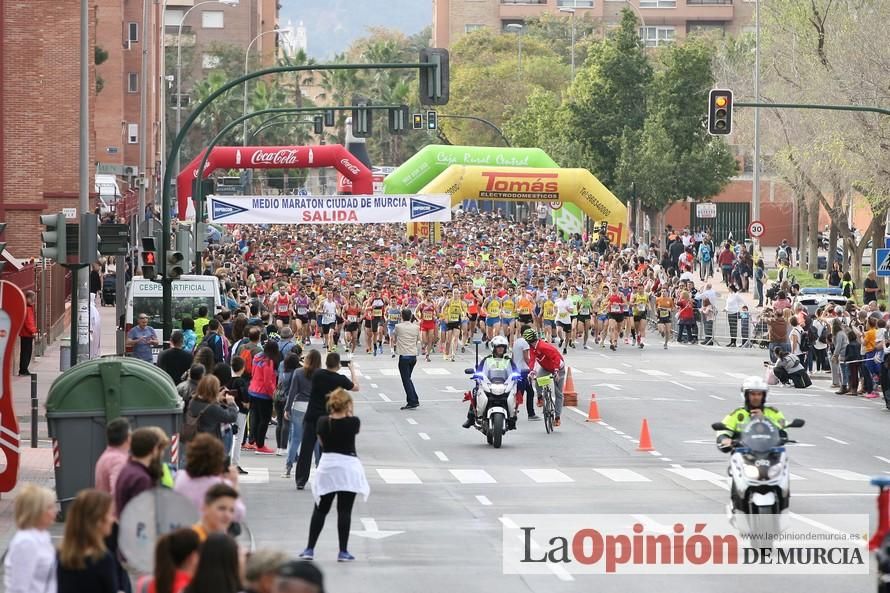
[(143, 115), (80, 347), (755, 195)]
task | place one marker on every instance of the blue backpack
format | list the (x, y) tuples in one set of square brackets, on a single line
[(705, 253)]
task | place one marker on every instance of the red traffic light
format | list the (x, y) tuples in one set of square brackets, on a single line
[(148, 258)]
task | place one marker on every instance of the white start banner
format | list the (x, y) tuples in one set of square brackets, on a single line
[(358, 209)]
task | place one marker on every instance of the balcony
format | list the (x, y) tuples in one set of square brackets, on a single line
[(520, 10), (708, 10)]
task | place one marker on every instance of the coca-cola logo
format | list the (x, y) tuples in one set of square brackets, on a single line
[(207, 165), (350, 166), (284, 156)]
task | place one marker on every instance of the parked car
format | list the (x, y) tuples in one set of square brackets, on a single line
[(814, 298)]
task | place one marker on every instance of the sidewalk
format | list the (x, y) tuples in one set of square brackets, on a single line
[(36, 465)]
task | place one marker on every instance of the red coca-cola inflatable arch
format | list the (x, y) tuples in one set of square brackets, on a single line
[(274, 157)]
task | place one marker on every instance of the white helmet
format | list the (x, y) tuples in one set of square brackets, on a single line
[(754, 384), (500, 341)]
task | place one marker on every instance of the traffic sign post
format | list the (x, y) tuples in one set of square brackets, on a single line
[(756, 229)]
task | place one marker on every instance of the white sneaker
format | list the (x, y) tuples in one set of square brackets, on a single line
[(279, 452)]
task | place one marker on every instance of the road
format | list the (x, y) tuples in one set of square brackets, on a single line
[(444, 490)]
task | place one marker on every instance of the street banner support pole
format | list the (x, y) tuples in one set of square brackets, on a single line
[(34, 410)]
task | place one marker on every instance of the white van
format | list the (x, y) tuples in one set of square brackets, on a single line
[(189, 293), (109, 192)]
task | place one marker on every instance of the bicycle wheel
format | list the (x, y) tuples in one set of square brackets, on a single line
[(548, 410)]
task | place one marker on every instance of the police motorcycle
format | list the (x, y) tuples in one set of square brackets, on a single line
[(494, 395), (761, 478)]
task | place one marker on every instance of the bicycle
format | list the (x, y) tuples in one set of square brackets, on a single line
[(545, 392)]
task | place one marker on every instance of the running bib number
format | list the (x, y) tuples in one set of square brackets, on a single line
[(584, 311), (544, 381), (352, 318), (427, 316), (664, 312), (378, 312), (615, 308), (302, 310), (641, 307)]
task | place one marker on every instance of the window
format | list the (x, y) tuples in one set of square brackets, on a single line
[(210, 61), (471, 28), (133, 32), (658, 3), (132, 82), (575, 3), (173, 17), (212, 19), (132, 133), (656, 36)]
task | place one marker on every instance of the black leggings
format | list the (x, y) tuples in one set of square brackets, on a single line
[(282, 429), (345, 500), (260, 415)]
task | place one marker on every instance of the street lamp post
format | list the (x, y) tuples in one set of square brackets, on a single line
[(246, 56), (179, 62), (519, 30), (571, 11)]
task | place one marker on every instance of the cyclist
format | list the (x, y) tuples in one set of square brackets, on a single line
[(544, 360), (754, 392), (500, 358)]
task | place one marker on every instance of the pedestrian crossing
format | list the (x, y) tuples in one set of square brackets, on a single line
[(600, 475), (630, 372)]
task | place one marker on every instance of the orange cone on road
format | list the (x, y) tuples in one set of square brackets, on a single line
[(645, 439), (593, 414), (569, 394)]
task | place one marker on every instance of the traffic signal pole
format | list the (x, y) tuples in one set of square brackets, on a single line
[(432, 68)]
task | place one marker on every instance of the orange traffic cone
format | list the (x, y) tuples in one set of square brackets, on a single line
[(593, 414), (569, 394), (645, 439)]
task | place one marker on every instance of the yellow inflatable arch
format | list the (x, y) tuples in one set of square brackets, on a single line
[(521, 184)]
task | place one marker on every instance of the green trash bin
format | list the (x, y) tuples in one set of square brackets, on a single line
[(84, 399)]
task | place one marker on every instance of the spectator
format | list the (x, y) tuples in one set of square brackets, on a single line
[(175, 360), (788, 368), (261, 570), (238, 388), (215, 341), (187, 388), (144, 468), (176, 557), (189, 337), (200, 322), (212, 406), (218, 511), (285, 378), (205, 466), (299, 576), (30, 559), (85, 563), (296, 405), (759, 281), (220, 567), (115, 455), (263, 381), (141, 338), (27, 334), (871, 291)]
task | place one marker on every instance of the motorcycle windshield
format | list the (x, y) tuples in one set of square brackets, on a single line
[(498, 376), (760, 436)]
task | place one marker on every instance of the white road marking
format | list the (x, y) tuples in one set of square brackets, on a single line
[(398, 476), (384, 397), (884, 459), (608, 371), (547, 476), (653, 372), (576, 410), (655, 453), (823, 526), (696, 474), (577, 371), (618, 432), (619, 474), (815, 494), (796, 477), (613, 429), (483, 500), (717, 397), (472, 476), (441, 456), (737, 375), (389, 372), (255, 475), (843, 474), (373, 385), (837, 441), (435, 371), (626, 364), (678, 384), (665, 459), (410, 420), (424, 436), (696, 374)]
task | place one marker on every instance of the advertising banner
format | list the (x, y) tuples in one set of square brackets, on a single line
[(359, 209)]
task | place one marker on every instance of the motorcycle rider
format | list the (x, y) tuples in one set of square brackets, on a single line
[(545, 359), (754, 390), (499, 358)]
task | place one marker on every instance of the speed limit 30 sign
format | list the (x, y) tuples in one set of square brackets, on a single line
[(756, 229)]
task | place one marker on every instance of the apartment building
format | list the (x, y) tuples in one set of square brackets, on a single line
[(662, 20)]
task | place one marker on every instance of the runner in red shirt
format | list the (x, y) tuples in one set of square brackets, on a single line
[(545, 359)]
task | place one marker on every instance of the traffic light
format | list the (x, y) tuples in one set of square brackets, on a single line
[(398, 119), (431, 120), (434, 81), (173, 269), (329, 118), (361, 118), (148, 258), (719, 112), (417, 124), (318, 124), (89, 238), (55, 240)]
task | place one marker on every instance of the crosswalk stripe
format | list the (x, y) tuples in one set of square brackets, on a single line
[(737, 375), (435, 371), (399, 476), (619, 474), (547, 476), (696, 374), (389, 372), (608, 371), (653, 372), (696, 474), (472, 476), (843, 474), (255, 475)]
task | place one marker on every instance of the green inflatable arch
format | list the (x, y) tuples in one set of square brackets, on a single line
[(432, 160)]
